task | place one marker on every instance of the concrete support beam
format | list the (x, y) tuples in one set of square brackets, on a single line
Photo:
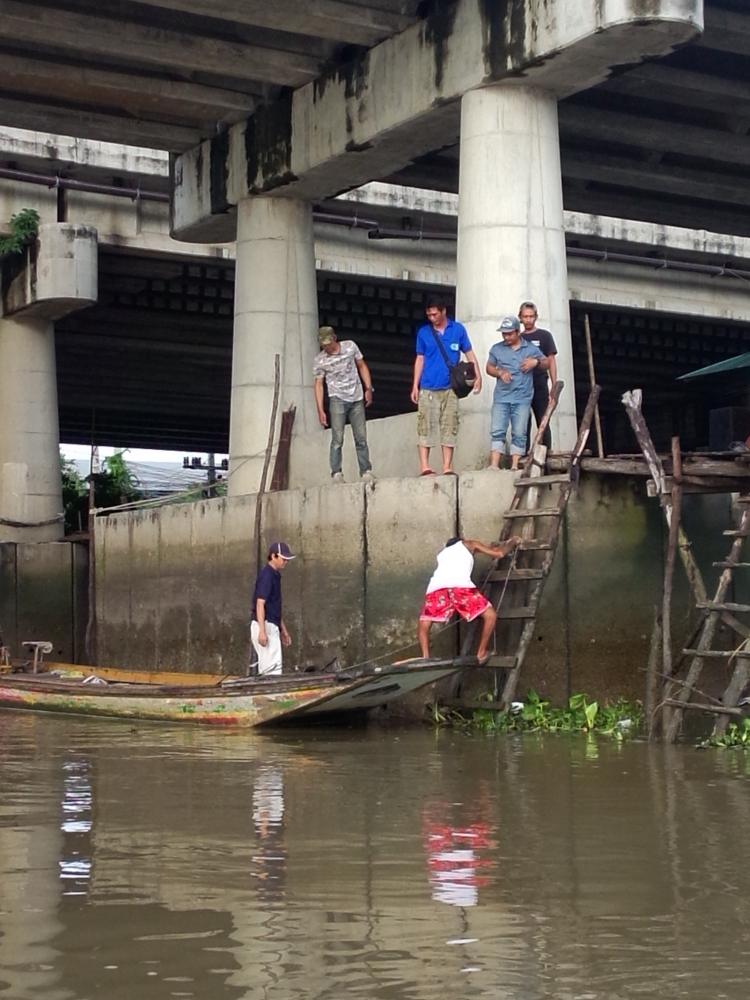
[(333, 19), (58, 275), (605, 127), (50, 151), (399, 99), (50, 117), (511, 235), (163, 48), (276, 312), (653, 177), (726, 31), (669, 84), (136, 94)]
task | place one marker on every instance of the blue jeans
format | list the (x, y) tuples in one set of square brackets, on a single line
[(354, 414), (515, 414)]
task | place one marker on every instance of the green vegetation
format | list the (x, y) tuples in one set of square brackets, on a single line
[(24, 226), (114, 485), (737, 737), (619, 719)]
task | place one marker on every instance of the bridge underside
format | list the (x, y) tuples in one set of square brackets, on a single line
[(666, 140)]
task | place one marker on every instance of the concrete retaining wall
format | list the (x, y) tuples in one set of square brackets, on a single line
[(43, 596), (174, 585)]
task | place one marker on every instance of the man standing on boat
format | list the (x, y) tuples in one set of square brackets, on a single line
[(267, 630), (451, 589)]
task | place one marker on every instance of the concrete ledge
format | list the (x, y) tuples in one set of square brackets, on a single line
[(58, 275)]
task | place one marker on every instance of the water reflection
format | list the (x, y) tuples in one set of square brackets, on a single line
[(269, 859), (379, 864), (77, 800), (458, 858)]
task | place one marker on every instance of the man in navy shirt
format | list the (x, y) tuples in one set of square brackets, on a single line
[(267, 629), (512, 363), (437, 403)]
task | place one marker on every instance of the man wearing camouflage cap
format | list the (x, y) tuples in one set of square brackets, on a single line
[(343, 369)]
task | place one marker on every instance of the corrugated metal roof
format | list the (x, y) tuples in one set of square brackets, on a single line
[(728, 365)]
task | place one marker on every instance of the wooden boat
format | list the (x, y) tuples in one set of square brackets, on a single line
[(214, 699)]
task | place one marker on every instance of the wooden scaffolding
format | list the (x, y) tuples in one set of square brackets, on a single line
[(673, 687)]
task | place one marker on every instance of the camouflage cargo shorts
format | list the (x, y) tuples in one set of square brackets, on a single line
[(437, 418)]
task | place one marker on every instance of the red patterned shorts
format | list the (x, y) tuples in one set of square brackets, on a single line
[(468, 602)]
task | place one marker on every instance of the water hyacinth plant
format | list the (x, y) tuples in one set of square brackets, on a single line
[(619, 719)]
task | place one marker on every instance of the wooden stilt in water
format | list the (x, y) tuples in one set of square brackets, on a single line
[(672, 544), (678, 692), (653, 722)]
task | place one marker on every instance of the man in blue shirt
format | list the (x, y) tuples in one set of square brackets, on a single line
[(267, 629), (512, 362), (431, 393)]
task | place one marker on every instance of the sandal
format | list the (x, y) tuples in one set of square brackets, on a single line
[(427, 472)]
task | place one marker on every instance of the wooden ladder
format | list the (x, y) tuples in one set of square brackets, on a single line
[(716, 610), (515, 583)]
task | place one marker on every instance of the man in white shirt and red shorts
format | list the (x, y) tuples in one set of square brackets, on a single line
[(451, 590)]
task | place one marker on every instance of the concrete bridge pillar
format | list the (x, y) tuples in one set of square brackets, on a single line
[(30, 485), (275, 312), (511, 240), (57, 275)]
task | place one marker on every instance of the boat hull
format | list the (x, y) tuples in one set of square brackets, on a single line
[(253, 703)]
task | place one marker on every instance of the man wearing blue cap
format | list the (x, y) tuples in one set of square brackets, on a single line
[(267, 629), (512, 362)]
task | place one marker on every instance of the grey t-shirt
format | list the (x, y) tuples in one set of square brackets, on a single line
[(340, 372)]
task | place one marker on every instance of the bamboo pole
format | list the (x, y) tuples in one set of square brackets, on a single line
[(632, 402), (672, 544), (652, 677), (592, 383)]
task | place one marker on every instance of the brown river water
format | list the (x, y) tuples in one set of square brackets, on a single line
[(156, 862)]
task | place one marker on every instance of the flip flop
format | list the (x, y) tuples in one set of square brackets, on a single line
[(449, 472), (427, 472)]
